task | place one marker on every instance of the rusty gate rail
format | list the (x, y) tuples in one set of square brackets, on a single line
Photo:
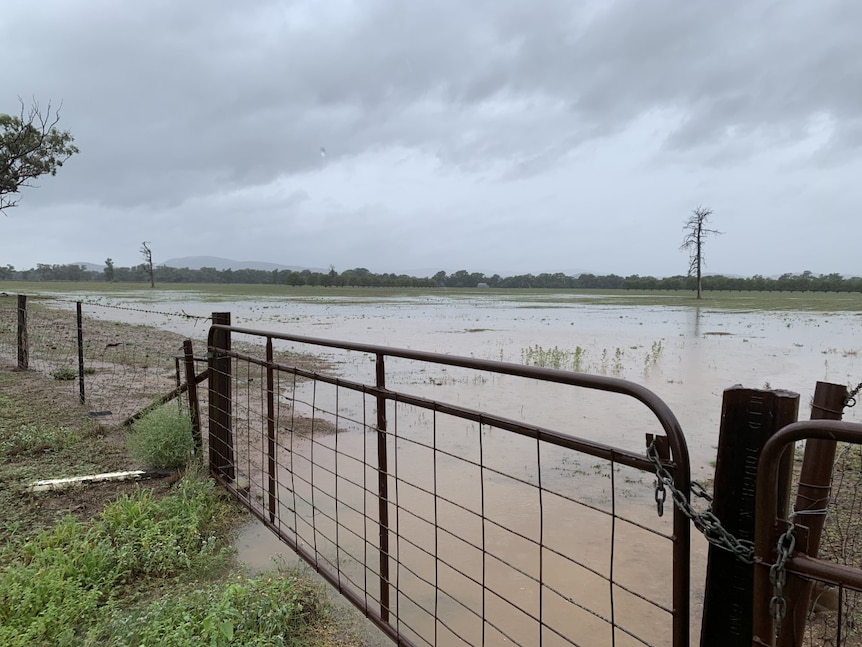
[(285, 472), (768, 527)]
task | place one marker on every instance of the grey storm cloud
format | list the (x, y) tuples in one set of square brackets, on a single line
[(194, 98)]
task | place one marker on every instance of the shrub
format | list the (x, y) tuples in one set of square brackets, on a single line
[(162, 439)]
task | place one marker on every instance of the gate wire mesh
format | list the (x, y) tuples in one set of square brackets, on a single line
[(834, 615), (128, 360), (446, 524)]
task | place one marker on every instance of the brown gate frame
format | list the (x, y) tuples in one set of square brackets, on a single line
[(768, 527), (219, 342)]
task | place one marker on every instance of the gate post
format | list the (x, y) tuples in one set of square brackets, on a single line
[(23, 345), (382, 488), (220, 413), (815, 484), (748, 418)]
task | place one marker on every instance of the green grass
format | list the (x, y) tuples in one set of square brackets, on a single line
[(92, 583), (59, 585), (154, 566), (272, 610), (781, 301)]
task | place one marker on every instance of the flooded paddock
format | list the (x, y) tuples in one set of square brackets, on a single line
[(687, 356)]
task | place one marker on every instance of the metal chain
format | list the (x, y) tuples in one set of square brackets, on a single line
[(850, 401), (706, 522), (778, 576)]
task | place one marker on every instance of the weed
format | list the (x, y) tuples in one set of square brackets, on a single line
[(58, 586), (275, 610), (162, 537), (553, 357), (30, 438), (162, 439), (65, 374), (618, 361)]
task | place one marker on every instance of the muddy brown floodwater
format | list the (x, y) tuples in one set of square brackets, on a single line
[(687, 356)]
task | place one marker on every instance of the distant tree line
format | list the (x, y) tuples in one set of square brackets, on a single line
[(361, 277)]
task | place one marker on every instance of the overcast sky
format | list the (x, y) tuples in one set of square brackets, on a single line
[(501, 136)]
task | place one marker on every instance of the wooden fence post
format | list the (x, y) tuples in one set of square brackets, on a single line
[(815, 482), (194, 404), (748, 418), (221, 456), (23, 345)]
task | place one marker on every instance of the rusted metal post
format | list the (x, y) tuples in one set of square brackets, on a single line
[(812, 496), (80, 320), (748, 418), (221, 456), (23, 344), (192, 388), (383, 490), (270, 429)]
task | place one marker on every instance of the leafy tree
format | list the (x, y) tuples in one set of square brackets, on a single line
[(31, 145), (695, 238), (109, 270), (147, 254)]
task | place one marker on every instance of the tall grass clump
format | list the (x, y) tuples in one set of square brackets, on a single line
[(162, 439)]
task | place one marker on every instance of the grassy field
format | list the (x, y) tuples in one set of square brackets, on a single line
[(776, 301), (124, 563)]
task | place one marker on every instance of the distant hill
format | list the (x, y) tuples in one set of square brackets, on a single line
[(221, 264)]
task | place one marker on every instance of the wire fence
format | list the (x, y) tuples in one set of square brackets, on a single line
[(120, 360)]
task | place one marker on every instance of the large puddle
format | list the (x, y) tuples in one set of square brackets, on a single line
[(687, 356)]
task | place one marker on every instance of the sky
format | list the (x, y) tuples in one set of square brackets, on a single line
[(496, 136)]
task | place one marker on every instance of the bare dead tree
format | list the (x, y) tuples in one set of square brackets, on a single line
[(147, 253), (31, 145), (694, 241)]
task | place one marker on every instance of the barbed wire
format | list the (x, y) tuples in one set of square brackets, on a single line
[(181, 313)]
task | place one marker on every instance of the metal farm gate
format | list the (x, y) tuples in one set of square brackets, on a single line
[(443, 521)]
